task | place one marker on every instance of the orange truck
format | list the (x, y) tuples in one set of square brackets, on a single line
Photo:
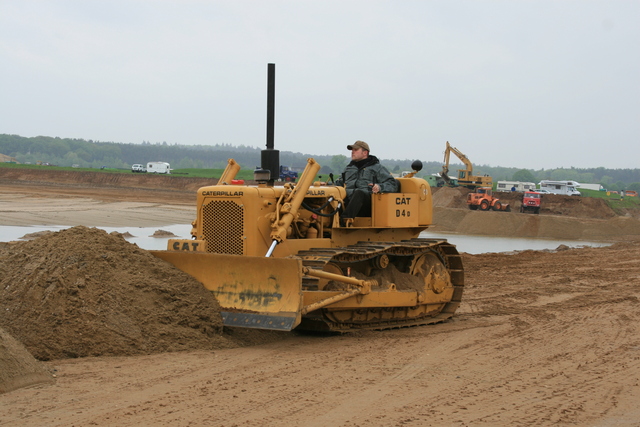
[(484, 200)]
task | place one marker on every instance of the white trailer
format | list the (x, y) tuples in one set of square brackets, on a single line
[(568, 188), (515, 186), (158, 167)]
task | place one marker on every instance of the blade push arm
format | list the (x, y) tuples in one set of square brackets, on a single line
[(290, 203)]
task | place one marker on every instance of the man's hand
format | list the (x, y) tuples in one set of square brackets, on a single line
[(375, 188)]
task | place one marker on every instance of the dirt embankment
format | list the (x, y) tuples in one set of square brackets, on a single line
[(561, 217), (46, 177), (580, 207), (552, 204)]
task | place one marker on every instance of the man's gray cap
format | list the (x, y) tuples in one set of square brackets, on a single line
[(359, 144)]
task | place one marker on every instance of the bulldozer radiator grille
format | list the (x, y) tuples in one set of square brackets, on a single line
[(223, 227)]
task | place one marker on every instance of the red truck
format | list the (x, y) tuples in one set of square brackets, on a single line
[(530, 202)]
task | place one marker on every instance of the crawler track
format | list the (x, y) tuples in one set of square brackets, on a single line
[(366, 256)]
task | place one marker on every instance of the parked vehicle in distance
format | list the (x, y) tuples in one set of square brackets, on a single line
[(435, 180), (286, 174), (158, 167), (542, 191), (515, 186), (138, 168), (568, 188)]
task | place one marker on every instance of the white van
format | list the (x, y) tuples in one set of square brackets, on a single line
[(515, 186), (138, 168), (158, 167), (568, 188)]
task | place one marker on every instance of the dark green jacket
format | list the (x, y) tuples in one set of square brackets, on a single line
[(368, 171)]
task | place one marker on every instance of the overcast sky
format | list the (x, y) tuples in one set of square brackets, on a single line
[(527, 84)]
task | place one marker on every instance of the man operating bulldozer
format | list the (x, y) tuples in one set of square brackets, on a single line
[(362, 177)]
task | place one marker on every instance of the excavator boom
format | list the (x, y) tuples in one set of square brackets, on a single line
[(466, 177)]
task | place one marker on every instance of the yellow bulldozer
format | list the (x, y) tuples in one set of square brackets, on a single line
[(277, 257)]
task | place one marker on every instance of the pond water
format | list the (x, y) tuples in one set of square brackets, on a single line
[(486, 244), (143, 237)]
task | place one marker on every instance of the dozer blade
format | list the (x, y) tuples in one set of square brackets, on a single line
[(253, 292)]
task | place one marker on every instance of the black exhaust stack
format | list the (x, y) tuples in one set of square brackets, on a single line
[(271, 158)]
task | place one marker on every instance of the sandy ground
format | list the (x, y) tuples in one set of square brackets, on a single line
[(23, 205), (541, 338)]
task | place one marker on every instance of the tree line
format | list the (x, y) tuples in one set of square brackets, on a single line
[(96, 154)]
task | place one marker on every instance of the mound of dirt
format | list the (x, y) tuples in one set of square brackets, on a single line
[(162, 233), (31, 236), (83, 292), (18, 368), (449, 197), (124, 235), (581, 207)]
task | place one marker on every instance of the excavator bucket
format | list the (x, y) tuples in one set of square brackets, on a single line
[(253, 292)]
